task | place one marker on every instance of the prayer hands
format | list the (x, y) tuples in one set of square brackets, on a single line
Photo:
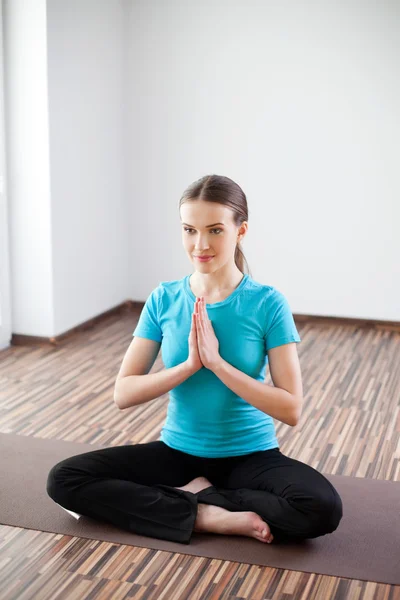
[(207, 342)]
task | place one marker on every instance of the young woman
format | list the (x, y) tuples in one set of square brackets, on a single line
[(217, 465)]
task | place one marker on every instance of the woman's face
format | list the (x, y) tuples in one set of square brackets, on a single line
[(218, 241)]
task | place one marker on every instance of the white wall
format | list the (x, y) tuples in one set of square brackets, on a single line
[(87, 97), (114, 107), (67, 197), (27, 155), (299, 103), (5, 285)]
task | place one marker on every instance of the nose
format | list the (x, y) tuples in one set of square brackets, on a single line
[(201, 247)]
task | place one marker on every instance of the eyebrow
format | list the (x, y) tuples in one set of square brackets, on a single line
[(206, 225)]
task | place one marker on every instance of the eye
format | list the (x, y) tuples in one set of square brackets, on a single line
[(187, 229)]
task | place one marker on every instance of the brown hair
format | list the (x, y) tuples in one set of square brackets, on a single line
[(220, 189)]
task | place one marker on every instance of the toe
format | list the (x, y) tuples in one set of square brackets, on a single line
[(262, 537), (267, 535)]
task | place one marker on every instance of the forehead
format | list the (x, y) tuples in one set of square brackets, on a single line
[(202, 213)]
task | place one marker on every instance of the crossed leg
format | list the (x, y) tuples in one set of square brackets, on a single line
[(219, 520), (291, 498)]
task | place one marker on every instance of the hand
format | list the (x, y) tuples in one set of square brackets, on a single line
[(194, 360), (207, 341)]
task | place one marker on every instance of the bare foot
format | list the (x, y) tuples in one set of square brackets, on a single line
[(196, 485), (218, 520)]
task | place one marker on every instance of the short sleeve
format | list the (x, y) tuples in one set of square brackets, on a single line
[(280, 326), (148, 325)]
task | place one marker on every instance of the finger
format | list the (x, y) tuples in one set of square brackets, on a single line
[(204, 310), (194, 326), (198, 324)]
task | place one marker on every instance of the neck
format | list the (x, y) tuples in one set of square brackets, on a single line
[(209, 284)]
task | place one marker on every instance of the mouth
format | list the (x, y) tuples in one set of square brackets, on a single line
[(203, 258)]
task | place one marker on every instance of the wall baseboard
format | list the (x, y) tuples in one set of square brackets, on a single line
[(130, 305), (370, 323), (33, 340)]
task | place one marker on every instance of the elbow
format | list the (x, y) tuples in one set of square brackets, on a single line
[(119, 404), (295, 417), (123, 397), (117, 399)]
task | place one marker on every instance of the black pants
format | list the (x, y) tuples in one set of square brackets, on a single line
[(132, 487)]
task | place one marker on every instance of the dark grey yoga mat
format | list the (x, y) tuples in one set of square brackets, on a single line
[(365, 546)]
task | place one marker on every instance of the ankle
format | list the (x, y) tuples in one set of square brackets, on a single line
[(212, 518), (201, 518)]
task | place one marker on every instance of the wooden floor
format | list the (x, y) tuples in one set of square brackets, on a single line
[(350, 426)]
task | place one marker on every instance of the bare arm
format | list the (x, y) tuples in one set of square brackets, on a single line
[(138, 389)]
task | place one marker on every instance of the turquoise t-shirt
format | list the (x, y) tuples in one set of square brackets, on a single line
[(204, 417)]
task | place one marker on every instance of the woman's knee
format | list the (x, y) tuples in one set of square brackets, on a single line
[(52, 482), (56, 480), (336, 512), (330, 514)]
